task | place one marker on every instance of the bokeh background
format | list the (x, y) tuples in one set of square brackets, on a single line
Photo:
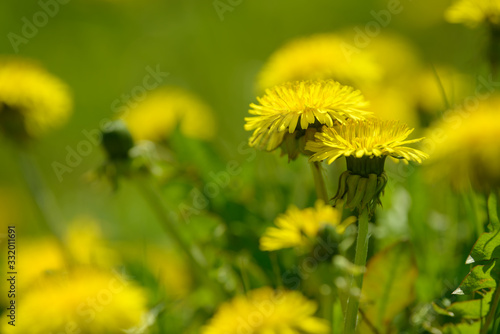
[(101, 49)]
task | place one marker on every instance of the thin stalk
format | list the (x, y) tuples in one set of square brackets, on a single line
[(193, 253), (491, 313), (319, 182), (42, 196), (357, 281)]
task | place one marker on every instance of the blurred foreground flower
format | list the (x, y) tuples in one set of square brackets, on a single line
[(321, 56), (265, 311), (299, 228), (32, 101), (163, 110), (291, 113), (474, 12), (468, 150), (365, 145), (83, 301)]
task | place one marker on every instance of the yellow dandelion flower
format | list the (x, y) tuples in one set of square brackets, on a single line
[(468, 150), (41, 257), (83, 301), (32, 101), (365, 145), (299, 228), (474, 12), (391, 98), (86, 246), (265, 311), (371, 138), (434, 87), (173, 274), (321, 56), (293, 107), (167, 108)]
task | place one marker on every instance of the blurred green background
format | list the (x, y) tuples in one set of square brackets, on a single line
[(101, 50)]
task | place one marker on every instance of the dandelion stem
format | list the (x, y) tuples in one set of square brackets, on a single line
[(319, 182), (491, 313), (193, 253), (41, 194), (357, 281)]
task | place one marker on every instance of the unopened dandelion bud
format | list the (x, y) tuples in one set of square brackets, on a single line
[(117, 142)]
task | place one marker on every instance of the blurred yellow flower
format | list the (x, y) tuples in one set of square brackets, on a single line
[(370, 138), (163, 110), (392, 98), (265, 311), (32, 101), (86, 245), (82, 300), (474, 12), (299, 228), (41, 257), (170, 271), (434, 88), (321, 56), (293, 107), (468, 149)]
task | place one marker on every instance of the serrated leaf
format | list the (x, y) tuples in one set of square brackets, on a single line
[(388, 285), (480, 277), (486, 247), (462, 328)]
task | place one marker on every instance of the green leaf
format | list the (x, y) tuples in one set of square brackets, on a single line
[(388, 285), (485, 248), (471, 309), (481, 277), (462, 328)]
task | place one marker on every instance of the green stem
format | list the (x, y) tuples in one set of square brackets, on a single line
[(41, 194), (357, 281), (193, 253), (491, 313), (319, 182)]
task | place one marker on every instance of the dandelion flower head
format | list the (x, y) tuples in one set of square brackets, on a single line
[(468, 150), (165, 109), (299, 228), (321, 56), (265, 311), (296, 106), (474, 12), (32, 101)]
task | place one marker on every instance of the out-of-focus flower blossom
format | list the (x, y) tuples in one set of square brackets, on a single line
[(299, 228), (167, 108), (32, 101), (277, 312)]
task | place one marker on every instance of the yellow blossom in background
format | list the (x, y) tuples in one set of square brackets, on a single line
[(170, 270), (392, 97), (297, 106), (434, 89), (40, 257), (82, 300), (299, 228), (468, 150), (371, 138), (86, 245), (167, 108), (474, 12), (265, 311), (321, 56), (32, 101)]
